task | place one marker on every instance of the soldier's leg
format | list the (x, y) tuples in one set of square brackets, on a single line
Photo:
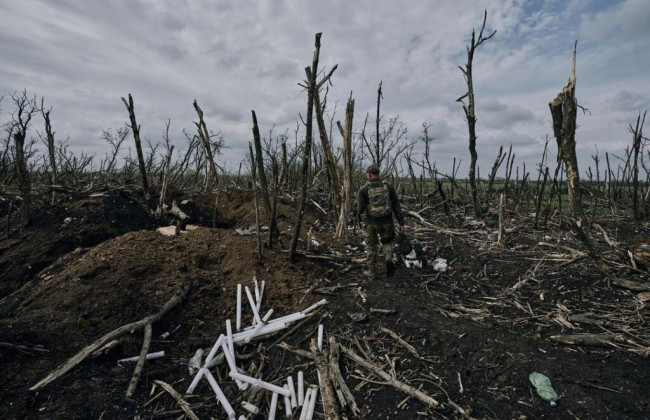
[(372, 248), (387, 236)]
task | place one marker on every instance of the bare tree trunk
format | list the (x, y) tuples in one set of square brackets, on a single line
[(501, 241), (204, 136), (346, 133), (273, 228), (311, 89), (563, 110), (138, 145), (377, 140), (469, 110), (540, 196), (284, 168), (332, 170), (23, 179), (258, 232), (497, 164), (51, 152), (636, 147), (163, 190), (259, 161)]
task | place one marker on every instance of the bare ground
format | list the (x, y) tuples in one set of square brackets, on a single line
[(478, 329)]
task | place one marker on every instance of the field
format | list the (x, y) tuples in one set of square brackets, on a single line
[(467, 337)]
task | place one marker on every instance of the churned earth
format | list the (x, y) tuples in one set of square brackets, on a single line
[(473, 333)]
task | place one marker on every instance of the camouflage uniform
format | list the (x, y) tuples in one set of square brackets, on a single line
[(379, 228)]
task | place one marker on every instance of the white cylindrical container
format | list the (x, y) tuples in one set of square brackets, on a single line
[(305, 407), (251, 408), (301, 388), (222, 398), (292, 391), (312, 403), (238, 321), (320, 338), (274, 406), (287, 403)]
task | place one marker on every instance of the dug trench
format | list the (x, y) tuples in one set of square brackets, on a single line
[(468, 337)]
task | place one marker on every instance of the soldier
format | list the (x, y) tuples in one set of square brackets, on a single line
[(378, 200)]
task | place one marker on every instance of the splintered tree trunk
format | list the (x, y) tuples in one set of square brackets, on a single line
[(564, 110), (346, 133), (204, 136), (311, 88), (259, 161), (138, 145), (50, 148), (332, 169)]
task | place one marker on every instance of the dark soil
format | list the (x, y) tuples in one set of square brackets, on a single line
[(479, 329)]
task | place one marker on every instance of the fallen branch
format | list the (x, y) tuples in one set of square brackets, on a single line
[(327, 392), (79, 357), (401, 341), (179, 400), (138, 367), (424, 398), (341, 387)]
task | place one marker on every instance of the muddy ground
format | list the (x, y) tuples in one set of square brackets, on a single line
[(92, 264)]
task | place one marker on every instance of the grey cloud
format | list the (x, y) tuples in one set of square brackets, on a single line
[(627, 101)]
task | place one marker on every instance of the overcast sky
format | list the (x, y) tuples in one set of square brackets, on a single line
[(242, 55)]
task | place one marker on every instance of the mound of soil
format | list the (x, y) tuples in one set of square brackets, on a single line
[(476, 330)]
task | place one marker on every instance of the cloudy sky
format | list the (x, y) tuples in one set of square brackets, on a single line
[(241, 55)]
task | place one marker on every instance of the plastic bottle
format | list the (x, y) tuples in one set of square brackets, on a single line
[(543, 386)]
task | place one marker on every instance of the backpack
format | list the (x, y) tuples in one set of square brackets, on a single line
[(379, 204)]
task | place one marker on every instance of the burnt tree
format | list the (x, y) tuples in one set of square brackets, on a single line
[(259, 162), (138, 144), (204, 137), (469, 109), (25, 110), (564, 110), (304, 170)]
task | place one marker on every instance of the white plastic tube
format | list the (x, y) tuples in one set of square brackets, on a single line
[(292, 391), (222, 398), (257, 290), (288, 318), (274, 406), (256, 315), (259, 326), (259, 300), (231, 364), (231, 345), (314, 306), (238, 321), (259, 382), (305, 407), (301, 388), (320, 338), (266, 329), (208, 359), (251, 408), (150, 356), (287, 404), (312, 403)]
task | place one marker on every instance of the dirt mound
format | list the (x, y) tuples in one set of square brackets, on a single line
[(77, 221)]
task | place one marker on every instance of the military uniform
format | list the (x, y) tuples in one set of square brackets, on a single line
[(379, 229)]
